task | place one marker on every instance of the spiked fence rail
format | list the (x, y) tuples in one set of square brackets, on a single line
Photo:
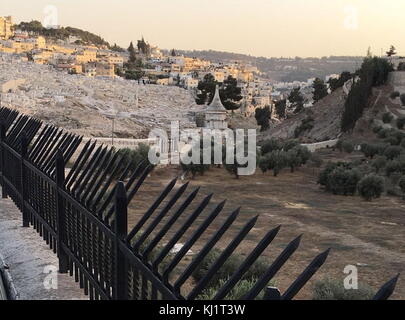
[(83, 215)]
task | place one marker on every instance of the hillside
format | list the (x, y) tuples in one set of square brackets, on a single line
[(85, 105), (284, 69), (62, 33), (327, 115)]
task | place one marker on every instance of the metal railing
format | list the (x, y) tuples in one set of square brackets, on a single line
[(83, 217)]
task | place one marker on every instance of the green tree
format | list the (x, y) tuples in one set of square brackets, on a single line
[(320, 89), (143, 47), (391, 52), (264, 163), (303, 153), (132, 53), (230, 94), (348, 146), (277, 161), (402, 184), (290, 144), (373, 72), (401, 66), (335, 84), (281, 107), (401, 122), (270, 145), (393, 152), (379, 163), (343, 181), (402, 97), (296, 99), (117, 48), (387, 117), (371, 187), (206, 89), (262, 116), (293, 159)]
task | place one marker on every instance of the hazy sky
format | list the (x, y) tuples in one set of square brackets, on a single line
[(269, 28)]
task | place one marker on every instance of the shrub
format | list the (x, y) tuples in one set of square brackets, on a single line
[(395, 95), (257, 270), (237, 293), (306, 125), (387, 117), (234, 168), (397, 135), (379, 163), (393, 152), (395, 166), (377, 129), (401, 122), (324, 174), (264, 163), (343, 181), (401, 184), (277, 161), (271, 145), (303, 153), (370, 150), (391, 141), (382, 134), (292, 159), (316, 160), (403, 99), (371, 187), (134, 157), (229, 268), (348, 146), (193, 167), (329, 289), (290, 144)]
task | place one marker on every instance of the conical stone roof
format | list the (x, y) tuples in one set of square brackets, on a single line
[(216, 104)]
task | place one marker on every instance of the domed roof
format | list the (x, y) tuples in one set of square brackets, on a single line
[(216, 104)]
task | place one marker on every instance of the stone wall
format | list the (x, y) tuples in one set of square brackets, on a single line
[(321, 145)]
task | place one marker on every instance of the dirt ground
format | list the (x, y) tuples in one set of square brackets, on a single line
[(369, 235)]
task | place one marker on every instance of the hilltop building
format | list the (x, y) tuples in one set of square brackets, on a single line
[(6, 28), (215, 115)]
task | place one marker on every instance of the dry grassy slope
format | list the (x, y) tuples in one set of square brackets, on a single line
[(327, 114), (380, 103)]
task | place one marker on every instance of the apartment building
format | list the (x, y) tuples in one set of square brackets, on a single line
[(6, 28), (105, 69), (86, 56)]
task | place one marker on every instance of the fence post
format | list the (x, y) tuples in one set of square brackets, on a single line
[(60, 213), (2, 142), (272, 293), (24, 146), (121, 233)]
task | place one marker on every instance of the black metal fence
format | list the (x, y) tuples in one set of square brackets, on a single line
[(82, 215)]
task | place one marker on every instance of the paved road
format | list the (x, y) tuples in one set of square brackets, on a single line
[(27, 255)]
